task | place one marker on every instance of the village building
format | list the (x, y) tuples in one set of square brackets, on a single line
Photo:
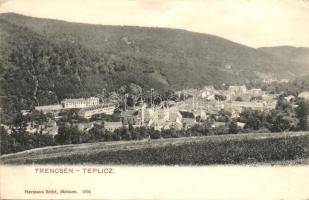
[(269, 80), (86, 126), (156, 115), (49, 108), (284, 80), (112, 126), (25, 112), (304, 95), (163, 113), (289, 98), (270, 104), (80, 103), (149, 115), (107, 109), (237, 89), (207, 91), (174, 115), (160, 125), (132, 117), (237, 107), (255, 92), (167, 118), (7, 128), (49, 127), (268, 96), (217, 124), (188, 119), (241, 125), (200, 113)]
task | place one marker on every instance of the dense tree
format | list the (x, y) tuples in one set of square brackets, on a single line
[(155, 134), (302, 112), (7, 142), (238, 99), (253, 119), (68, 135), (219, 97), (233, 128), (125, 134), (97, 132), (280, 122), (224, 116), (37, 117)]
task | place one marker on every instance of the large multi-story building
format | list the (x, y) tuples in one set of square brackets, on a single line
[(98, 109), (80, 103), (49, 108)]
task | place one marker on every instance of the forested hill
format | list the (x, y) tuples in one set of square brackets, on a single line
[(202, 58), (296, 54), (43, 61), (36, 71)]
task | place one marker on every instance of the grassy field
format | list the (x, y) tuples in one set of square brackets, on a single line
[(257, 148)]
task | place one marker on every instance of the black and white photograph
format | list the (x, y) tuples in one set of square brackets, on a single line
[(153, 83)]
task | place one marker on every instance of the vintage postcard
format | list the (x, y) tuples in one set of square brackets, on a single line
[(154, 99)]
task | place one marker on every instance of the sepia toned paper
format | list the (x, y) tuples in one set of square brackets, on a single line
[(137, 182), (251, 23)]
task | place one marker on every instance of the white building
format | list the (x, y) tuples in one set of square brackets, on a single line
[(163, 113), (111, 126), (238, 89), (304, 95), (99, 109), (239, 106), (49, 108), (256, 92), (80, 103)]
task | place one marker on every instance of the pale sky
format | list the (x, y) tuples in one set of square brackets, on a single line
[(254, 23)]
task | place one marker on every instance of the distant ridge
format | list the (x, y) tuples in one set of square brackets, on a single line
[(298, 55)]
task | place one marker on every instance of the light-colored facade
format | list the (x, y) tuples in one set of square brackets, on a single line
[(112, 126), (236, 89), (304, 95), (163, 113), (80, 103), (237, 107), (49, 108), (49, 127), (256, 92), (99, 109)]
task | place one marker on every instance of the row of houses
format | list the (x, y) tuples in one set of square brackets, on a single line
[(80, 103), (110, 126), (69, 104), (233, 92), (158, 117), (97, 109), (48, 127)]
